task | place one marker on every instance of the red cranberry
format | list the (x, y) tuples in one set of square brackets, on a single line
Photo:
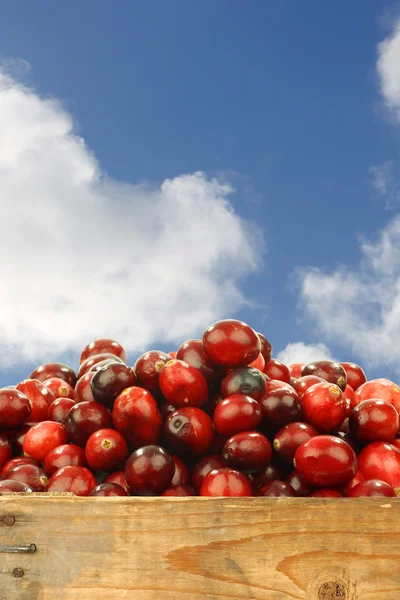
[(330, 371), (84, 419), (77, 480), (148, 368), (249, 451), (280, 407), (16, 438), (304, 383), (136, 416), (40, 397), (10, 485), (358, 477), (42, 438), (326, 461), (183, 385), (59, 410), (108, 489), (349, 395), (396, 443), (5, 450), (380, 389), (89, 363), (231, 343), (189, 430), (182, 473), (275, 369), (167, 409), (290, 437), (54, 369), (15, 409), (119, 478), (103, 346), (225, 482), (258, 363), (266, 348), (59, 388), (274, 384), (83, 390), (325, 493), (203, 467), (372, 487), (172, 354), (106, 450), (192, 353), (14, 462), (301, 487), (355, 375), (245, 380), (324, 406), (277, 489), (31, 475), (380, 460), (266, 475), (373, 421), (295, 370), (236, 414), (64, 456), (149, 471), (110, 381), (180, 490)]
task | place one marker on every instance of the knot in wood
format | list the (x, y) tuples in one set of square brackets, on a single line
[(332, 590)]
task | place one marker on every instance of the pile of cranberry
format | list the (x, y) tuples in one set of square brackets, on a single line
[(219, 417)]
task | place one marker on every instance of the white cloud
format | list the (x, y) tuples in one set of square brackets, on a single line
[(385, 179), (84, 255), (306, 353), (388, 69)]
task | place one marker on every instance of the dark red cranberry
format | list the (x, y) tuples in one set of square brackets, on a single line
[(380, 460), (180, 490), (84, 419), (77, 480), (280, 407), (16, 438), (192, 353), (324, 406), (266, 348), (290, 437), (301, 487), (182, 473), (108, 489), (183, 385), (42, 438), (225, 482), (355, 375), (149, 471), (5, 449), (304, 383), (64, 456), (203, 467), (373, 421), (326, 461), (372, 487), (331, 371), (83, 390), (31, 475), (103, 346), (358, 477), (119, 478), (277, 489), (106, 450), (248, 451), (167, 409), (59, 410), (10, 485), (245, 380), (14, 462), (54, 369), (136, 416), (40, 397), (380, 389), (325, 493), (276, 369), (231, 343), (258, 363), (266, 475), (15, 409), (109, 381), (189, 430), (236, 414), (295, 370), (87, 364), (148, 368), (59, 388)]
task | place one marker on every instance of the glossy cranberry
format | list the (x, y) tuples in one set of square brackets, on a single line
[(182, 473), (380, 460), (5, 449), (31, 475), (290, 437), (326, 461), (324, 406), (203, 467), (192, 353), (183, 385), (59, 388), (346, 438), (277, 489), (274, 384), (106, 450), (295, 369), (40, 397), (231, 343), (59, 410), (266, 475), (248, 451), (372, 487), (108, 489), (54, 369), (42, 438), (276, 369), (77, 480), (180, 491), (64, 456), (258, 363), (103, 346), (149, 471), (148, 368), (166, 409), (304, 383), (136, 416), (236, 414), (119, 478), (225, 482), (14, 462), (189, 430), (16, 438), (396, 443), (358, 477), (89, 363), (380, 389), (245, 380), (301, 487), (15, 409), (280, 407), (83, 390), (349, 395), (84, 419), (373, 421), (266, 348), (325, 493), (329, 370), (355, 375), (110, 381), (10, 485)]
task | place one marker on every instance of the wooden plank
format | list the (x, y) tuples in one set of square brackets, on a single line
[(201, 549)]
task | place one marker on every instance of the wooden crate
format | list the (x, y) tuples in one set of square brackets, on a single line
[(200, 548)]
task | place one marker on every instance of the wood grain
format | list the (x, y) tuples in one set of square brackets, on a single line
[(201, 549)]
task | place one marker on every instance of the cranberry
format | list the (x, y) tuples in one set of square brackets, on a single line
[(180, 490), (31, 475), (249, 451), (54, 369), (236, 414), (136, 416), (277, 489), (304, 383), (280, 407), (245, 380), (106, 450), (266, 475), (5, 450), (84, 419), (295, 369), (10, 485), (325, 493), (166, 409), (274, 384), (15, 409), (59, 388), (64, 456), (372, 487), (109, 381), (59, 410), (192, 353), (189, 430), (349, 395), (290, 437), (172, 354), (103, 346), (326, 461), (358, 477), (381, 389), (149, 471), (78, 480), (275, 369), (225, 482), (40, 397), (203, 467), (324, 406), (301, 487), (266, 348), (87, 364), (119, 478), (373, 421), (396, 443), (183, 385), (148, 368), (16, 438), (14, 462), (108, 489), (330, 371), (83, 390), (182, 473), (355, 375), (231, 343), (258, 363), (43, 437), (380, 460)]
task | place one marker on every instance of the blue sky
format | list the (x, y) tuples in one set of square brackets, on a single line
[(285, 101)]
